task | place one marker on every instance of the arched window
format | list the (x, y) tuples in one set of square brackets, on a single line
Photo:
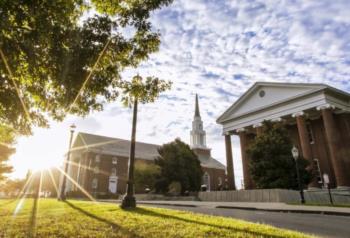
[(114, 172), (94, 184), (206, 181), (219, 181)]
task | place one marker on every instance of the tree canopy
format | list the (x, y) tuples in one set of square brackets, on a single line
[(144, 90), (7, 139), (178, 163), (272, 164), (145, 176), (54, 53)]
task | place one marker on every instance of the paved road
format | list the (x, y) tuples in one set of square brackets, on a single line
[(320, 225)]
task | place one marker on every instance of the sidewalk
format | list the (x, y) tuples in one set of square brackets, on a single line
[(271, 207)]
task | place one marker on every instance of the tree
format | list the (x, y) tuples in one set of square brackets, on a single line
[(57, 59), (12, 187), (144, 91), (145, 176), (178, 163), (7, 140), (272, 164)]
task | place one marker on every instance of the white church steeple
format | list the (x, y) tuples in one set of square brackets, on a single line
[(197, 132)]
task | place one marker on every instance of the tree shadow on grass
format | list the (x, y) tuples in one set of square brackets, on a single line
[(32, 218), (143, 211), (112, 224)]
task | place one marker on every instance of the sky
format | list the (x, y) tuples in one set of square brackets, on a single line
[(217, 49)]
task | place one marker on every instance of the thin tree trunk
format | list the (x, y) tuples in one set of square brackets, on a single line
[(130, 190)]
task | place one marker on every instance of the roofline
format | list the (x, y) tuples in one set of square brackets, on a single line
[(256, 84), (115, 138)]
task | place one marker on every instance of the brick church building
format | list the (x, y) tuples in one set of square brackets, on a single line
[(317, 117), (99, 164)]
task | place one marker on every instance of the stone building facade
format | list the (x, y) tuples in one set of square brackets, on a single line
[(317, 117), (99, 164)]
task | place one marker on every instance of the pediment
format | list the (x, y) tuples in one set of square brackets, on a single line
[(262, 95)]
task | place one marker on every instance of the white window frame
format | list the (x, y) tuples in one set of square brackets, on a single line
[(97, 158), (96, 170), (114, 160), (94, 183), (112, 170)]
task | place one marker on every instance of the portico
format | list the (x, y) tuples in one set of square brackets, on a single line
[(317, 117)]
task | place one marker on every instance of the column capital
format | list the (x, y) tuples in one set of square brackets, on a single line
[(325, 106), (298, 114), (241, 130), (277, 119), (257, 125)]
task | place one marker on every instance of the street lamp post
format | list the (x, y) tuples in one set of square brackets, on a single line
[(295, 153), (129, 200), (62, 195), (326, 182)]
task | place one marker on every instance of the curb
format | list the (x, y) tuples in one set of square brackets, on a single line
[(333, 213), (168, 204)]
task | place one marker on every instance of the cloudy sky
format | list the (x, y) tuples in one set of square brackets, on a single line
[(217, 49)]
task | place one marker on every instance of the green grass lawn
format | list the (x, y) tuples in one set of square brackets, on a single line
[(50, 218)]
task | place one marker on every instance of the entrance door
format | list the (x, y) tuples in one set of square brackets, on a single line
[(113, 181)]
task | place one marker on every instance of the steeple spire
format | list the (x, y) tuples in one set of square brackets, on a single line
[(196, 113), (197, 132)]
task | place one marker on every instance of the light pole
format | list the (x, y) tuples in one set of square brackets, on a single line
[(295, 153), (129, 200), (326, 182), (62, 195)]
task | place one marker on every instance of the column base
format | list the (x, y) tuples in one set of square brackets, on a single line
[(343, 188), (128, 202)]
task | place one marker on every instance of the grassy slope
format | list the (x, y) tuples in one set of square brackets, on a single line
[(88, 219)]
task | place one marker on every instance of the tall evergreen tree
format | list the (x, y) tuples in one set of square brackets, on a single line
[(178, 163), (272, 164)]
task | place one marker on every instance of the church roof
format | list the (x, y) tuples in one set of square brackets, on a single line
[(121, 147), (210, 162), (114, 146), (276, 93)]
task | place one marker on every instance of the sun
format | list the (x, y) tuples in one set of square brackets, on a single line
[(45, 149), (43, 163)]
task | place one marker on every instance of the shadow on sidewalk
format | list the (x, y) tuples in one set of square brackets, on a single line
[(112, 224), (143, 211)]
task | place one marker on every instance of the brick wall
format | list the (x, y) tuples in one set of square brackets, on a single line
[(86, 172), (320, 148), (214, 175)]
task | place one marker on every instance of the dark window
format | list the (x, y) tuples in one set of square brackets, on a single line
[(310, 133), (262, 93), (318, 171)]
